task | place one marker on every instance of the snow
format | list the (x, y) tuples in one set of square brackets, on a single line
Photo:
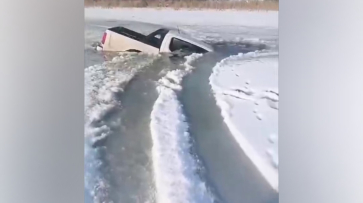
[(245, 87), (188, 17), (174, 167), (103, 83)]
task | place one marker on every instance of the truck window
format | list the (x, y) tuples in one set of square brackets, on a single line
[(156, 38), (177, 44)]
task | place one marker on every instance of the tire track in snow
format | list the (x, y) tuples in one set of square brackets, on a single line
[(174, 167)]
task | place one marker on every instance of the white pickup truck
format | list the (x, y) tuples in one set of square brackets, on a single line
[(121, 39)]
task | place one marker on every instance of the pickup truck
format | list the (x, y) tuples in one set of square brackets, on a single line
[(121, 39)]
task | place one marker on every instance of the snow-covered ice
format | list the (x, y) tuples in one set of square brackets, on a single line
[(207, 25), (175, 168), (246, 89), (189, 17)]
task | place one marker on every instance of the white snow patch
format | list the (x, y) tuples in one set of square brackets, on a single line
[(174, 167), (252, 113)]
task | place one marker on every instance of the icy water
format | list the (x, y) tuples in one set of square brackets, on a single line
[(119, 167)]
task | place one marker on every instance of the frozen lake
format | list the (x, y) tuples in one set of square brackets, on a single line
[(151, 141)]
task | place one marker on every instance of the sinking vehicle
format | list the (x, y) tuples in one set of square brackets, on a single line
[(121, 39)]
